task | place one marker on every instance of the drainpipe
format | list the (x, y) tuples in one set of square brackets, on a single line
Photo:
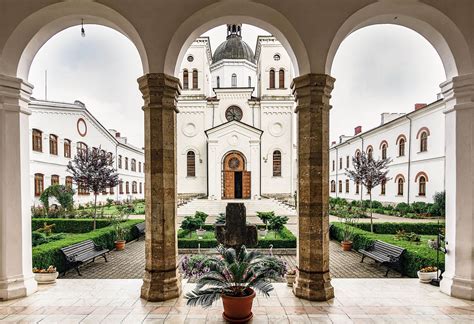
[(207, 160), (116, 168), (260, 164), (361, 186), (337, 173), (409, 160)]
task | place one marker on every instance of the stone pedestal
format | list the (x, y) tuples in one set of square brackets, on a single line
[(458, 279), (16, 278), (161, 280), (312, 92)]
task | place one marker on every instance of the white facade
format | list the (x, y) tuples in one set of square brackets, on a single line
[(410, 167), (235, 77), (74, 124)]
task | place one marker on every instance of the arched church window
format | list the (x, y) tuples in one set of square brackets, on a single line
[(234, 80), (53, 144), (424, 142), (272, 79), (185, 79), (191, 164), (422, 186), (218, 81), (281, 81), (333, 186), (277, 163), (195, 79), (233, 113)]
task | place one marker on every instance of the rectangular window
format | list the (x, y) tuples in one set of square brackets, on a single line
[(347, 162), (111, 190), (141, 187), (67, 148), (37, 140), (54, 179), (139, 167), (126, 163), (347, 185), (68, 182), (39, 184), (340, 163), (277, 164)]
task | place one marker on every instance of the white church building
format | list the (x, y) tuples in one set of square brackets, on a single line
[(236, 121)]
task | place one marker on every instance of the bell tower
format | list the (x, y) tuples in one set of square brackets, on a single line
[(234, 30)]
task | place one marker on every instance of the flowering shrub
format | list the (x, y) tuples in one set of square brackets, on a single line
[(194, 266)]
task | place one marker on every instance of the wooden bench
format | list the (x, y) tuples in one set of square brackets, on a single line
[(82, 252), (139, 229), (385, 253)]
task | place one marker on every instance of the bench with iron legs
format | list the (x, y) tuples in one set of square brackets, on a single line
[(139, 229), (82, 252), (386, 254)]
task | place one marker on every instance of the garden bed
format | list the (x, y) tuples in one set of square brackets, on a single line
[(416, 256), (48, 254), (282, 239)]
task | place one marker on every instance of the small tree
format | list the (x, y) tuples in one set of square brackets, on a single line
[(369, 173), (93, 170)]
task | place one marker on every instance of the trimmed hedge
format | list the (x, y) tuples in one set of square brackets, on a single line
[(415, 257), (65, 225), (392, 228), (286, 241), (49, 254)]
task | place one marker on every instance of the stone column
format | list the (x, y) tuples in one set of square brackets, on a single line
[(161, 280), (458, 279), (16, 278), (312, 92)]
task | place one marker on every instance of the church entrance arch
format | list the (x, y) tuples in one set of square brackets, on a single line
[(235, 177)]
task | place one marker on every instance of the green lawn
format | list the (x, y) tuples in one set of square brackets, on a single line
[(113, 210)]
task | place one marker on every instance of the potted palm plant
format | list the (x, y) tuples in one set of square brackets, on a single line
[(347, 233), (234, 277), (120, 233)]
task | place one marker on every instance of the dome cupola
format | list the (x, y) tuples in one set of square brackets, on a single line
[(234, 48)]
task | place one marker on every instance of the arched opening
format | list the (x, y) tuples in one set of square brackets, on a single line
[(235, 177)]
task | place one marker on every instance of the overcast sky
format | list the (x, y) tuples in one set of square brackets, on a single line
[(378, 69)]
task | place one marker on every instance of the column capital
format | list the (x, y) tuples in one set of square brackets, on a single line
[(159, 90), (458, 92), (15, 94), (312, 88)]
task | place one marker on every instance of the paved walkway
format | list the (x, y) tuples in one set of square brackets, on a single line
[(130, 263), (357, 301)]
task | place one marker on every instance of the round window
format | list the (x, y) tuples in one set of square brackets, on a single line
[(233, 113), (276, 57), (234, 163), (190, 58)]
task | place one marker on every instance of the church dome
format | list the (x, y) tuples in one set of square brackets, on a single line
[(234, 48)]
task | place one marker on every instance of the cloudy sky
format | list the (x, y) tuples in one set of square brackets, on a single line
[(378, 69)]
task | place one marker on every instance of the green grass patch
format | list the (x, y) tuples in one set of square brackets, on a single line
[(283, 239), (392, 228), (416, 256), (49, 254)]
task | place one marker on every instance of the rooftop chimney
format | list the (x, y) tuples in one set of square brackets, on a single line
[(117, 134), (357, 130), (420, 105), (333, 143)]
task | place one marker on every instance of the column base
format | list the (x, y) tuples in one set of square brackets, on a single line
[(457, 287), (161, 286), (17, 287), (313, 286)]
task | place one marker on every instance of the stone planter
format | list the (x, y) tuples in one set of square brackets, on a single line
[(262, 233), (290, 279), (46, 278), (426, 277), (200, 232)]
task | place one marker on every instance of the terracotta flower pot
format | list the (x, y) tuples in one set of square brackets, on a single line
[(120, 245), (346, 245), (238, 309), (44, 278)]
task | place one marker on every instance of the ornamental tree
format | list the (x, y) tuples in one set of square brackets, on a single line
[(369, 173), (92, 170)]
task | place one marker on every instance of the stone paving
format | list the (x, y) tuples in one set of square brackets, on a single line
[(130, 263), (356, 301)]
